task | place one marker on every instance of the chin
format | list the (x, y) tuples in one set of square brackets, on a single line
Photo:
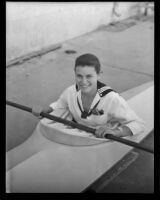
[(87, 90)]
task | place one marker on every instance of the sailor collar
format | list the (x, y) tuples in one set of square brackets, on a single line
[(102, 90)]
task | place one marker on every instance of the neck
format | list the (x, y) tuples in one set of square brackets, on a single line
[(90, 95)]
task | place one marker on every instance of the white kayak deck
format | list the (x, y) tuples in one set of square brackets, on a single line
[(43, 165)]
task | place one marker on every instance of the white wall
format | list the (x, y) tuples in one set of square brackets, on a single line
[(33, 25)]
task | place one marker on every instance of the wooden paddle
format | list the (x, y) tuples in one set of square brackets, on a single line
[(82, 127)]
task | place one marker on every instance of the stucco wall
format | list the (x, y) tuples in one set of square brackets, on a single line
[(33, 25)]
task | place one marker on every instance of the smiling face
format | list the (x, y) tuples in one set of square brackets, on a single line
[(86, 79)]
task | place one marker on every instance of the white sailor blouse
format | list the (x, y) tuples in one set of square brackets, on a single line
[(108, 108)]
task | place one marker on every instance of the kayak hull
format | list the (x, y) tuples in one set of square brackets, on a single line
[(56, 162)]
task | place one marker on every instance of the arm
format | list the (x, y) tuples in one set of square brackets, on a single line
[(128, 123), (36, 110), (59, 107), (121, 131)]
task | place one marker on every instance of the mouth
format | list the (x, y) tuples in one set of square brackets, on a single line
[(84, 86)]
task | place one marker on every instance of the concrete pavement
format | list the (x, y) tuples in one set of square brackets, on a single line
[(127, 59)]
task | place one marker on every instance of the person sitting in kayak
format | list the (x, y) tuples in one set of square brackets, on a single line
[(94, 104)]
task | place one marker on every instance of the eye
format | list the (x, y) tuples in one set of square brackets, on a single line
[(78, 76), (89, 76)]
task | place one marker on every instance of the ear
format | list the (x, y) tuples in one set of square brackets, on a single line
[(99, 75)]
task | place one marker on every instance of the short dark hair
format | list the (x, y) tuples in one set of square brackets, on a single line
[(89, 60)]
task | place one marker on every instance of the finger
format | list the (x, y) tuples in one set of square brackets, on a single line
[(99, 132), (107, 131), (36, 110)]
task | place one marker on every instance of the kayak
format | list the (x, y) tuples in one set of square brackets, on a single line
[(60, 159), (67, 135)]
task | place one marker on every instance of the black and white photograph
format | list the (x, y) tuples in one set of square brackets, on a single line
[(80, 97)]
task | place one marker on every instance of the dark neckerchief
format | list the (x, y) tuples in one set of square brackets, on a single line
[(85, 114)]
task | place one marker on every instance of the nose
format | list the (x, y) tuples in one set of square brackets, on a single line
[(84, 80)]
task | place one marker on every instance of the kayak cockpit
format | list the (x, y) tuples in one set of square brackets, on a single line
[(67, 135)]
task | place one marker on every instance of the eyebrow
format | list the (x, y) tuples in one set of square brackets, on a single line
[(85, 75)]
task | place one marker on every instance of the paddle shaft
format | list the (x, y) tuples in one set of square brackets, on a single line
[(81, 127)]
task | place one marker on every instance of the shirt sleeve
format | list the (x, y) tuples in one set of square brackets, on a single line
[(121, 112), (60, 107), (61, 103)]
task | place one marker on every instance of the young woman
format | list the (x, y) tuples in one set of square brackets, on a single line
[(94, 104)]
